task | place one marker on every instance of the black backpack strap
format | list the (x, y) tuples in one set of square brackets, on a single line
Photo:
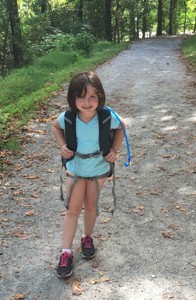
[(70, 130), (104, 117)]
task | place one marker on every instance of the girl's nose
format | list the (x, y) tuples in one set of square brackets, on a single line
[(88, 100)]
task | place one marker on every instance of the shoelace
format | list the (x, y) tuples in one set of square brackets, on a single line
[(64, 259), (87, 242)]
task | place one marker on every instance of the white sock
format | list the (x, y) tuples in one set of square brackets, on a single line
[(67, 250), (84, 235)]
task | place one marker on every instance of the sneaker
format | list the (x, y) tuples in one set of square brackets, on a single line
[(88, 249), (65, 265)]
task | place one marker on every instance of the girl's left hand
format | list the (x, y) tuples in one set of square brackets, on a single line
[(112, 155)]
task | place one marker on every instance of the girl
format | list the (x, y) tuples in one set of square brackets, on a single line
[(86, 97)]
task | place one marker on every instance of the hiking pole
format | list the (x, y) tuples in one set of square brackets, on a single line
[(128, 162)]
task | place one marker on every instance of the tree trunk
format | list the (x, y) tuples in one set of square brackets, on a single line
[(185, 15), (43, 6), (117, 21), (144, 19), (80, 11), (171, 16), (160, 18), (108, 20), (4, 49), (14, 20)]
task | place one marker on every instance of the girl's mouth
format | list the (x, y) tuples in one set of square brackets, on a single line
[(87, 108)]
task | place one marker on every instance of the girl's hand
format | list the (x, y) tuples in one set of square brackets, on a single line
[(66, 152), (112, 155)]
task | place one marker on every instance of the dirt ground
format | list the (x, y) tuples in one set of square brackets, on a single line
[(146, 251)]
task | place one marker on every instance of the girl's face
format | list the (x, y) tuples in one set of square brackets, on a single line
[(88, 102)]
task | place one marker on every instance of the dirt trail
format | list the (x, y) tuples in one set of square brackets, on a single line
[(146, 251)]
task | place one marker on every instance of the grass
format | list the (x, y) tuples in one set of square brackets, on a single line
[(189, 51), (25, 89)]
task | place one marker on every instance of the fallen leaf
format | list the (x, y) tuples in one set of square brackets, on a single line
[(17, 193), (168, 296), (18, 296), (103, 238), (167, 234), (139, 209), (34, 195), (18, 167), (181, 208), (50, 171), (77, 290), (30, 177), (94, 281), (142, 154), (139, 193), (173, 226), (20, 234), (165, 210), (95, 264), (105, 279), (106, 220), (30, 213), (155, 192)]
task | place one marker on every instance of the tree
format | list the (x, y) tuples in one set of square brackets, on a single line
[(117, 23), (108, 20), (160, 17), (12, 7), (172, 9), (80, 11), (43, 5), (144, 18)]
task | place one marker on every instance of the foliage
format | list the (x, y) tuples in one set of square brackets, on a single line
[(84, 42), (189, 50), (63, 20)]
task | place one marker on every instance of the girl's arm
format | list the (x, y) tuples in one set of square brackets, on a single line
[(118, 138), (60, 138)]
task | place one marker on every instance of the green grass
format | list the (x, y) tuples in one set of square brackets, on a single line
[(189, 51), (25, 89)]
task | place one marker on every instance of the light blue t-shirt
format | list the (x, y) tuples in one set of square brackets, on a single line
[(88, 142)]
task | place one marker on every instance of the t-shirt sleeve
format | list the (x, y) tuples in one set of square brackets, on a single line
[(61, 120), (114, 121)]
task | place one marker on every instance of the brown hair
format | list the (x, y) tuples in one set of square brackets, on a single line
[(77, 88)]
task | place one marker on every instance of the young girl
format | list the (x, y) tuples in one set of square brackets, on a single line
[(86, 97)]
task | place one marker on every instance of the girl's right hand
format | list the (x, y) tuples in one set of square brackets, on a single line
[(66, 152)]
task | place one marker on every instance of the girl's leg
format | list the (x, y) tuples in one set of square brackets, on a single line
[(75, 206), (90, 205)]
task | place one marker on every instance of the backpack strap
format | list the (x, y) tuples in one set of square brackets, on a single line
[(104, 117), (70, 132)]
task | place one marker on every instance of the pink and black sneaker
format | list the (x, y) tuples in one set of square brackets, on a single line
[(88, 249), (65, 265)]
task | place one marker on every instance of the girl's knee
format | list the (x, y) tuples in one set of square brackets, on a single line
[(73, 213), (90, 207)]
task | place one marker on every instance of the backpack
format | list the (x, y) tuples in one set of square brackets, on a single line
[(105, 133)]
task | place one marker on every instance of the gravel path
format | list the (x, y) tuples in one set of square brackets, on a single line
[(146, 251)]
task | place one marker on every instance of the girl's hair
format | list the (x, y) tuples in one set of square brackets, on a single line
[(78, 87)]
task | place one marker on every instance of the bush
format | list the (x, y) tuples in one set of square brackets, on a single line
[(84, 42)]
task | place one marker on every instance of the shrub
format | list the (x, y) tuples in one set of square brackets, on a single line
[(84, 42)]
